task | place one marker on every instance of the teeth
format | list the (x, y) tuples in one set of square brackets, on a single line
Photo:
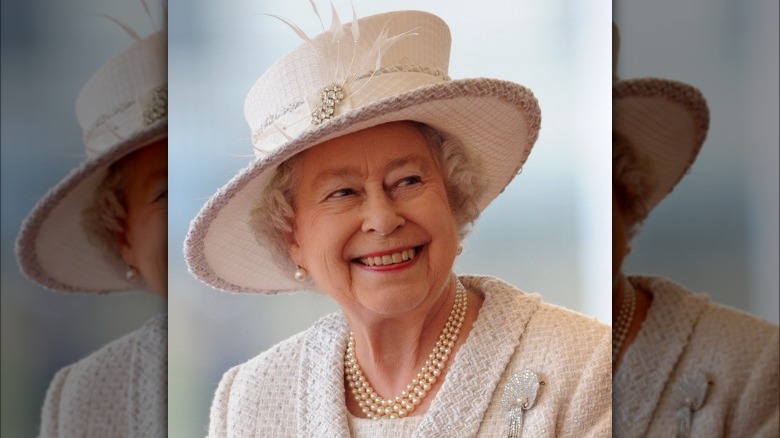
[(389, 259)]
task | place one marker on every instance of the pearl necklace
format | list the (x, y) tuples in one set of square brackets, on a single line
[(376, 407), (624, 317)]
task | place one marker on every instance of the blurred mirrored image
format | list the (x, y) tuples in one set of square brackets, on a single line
[(695, 336), (96, 228)]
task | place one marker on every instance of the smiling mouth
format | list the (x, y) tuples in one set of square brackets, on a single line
[(389, 259)]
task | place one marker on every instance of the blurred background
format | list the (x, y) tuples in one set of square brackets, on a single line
[(548, 233), (718, 231), (49, 51)]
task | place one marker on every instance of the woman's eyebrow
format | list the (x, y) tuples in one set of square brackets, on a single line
[(347, 172), (407, 159), (338, 173)]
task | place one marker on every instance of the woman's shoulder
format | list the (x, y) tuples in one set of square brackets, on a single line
[(265, 378), (511, 299), (733, 325), (266, 387), (275, 369), (115, 359), (744, 344), (123, 384), (714, 324), (539, 328)]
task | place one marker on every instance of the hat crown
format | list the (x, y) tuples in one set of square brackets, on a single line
[(126, 95), (394, 52)]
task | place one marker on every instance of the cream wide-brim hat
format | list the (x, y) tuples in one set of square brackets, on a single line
[(122, 108), (497, 121), (665, 121)]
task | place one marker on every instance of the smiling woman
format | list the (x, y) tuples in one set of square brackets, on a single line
[(356, 203), (370, 169)]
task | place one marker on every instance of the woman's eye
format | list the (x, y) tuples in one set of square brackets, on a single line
[(409, 181), (340, 193), (162, 196)]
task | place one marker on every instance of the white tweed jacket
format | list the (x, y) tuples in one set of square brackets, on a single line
[(296, 388), (685, 333), (118, 391)]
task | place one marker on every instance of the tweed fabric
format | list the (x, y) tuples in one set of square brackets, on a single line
[(684, 332), (297, 387), (120, 390)]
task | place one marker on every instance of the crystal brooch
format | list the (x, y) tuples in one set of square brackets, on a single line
[(689, 395), (330, 97), (519, 396)]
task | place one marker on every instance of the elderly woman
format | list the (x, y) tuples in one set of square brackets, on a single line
[(372, 166), (104, 229), (683, 365)]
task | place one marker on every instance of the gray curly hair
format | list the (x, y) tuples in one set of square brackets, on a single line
[(272, 216), (631, 183), (104, 217)]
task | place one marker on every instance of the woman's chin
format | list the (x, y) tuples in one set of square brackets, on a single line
[(393, 299), (391, 303)]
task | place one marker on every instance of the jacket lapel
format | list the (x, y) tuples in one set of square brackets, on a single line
[(462, 401), (321, 408)]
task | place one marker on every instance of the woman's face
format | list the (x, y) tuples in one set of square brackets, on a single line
[(145, 240), (373, 226)]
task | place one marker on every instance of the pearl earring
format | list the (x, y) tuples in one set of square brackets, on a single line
[(460, 249), (131, 273), (301, 274)]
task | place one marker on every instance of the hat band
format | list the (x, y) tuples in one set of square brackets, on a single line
[(365, 89), (127, 120)]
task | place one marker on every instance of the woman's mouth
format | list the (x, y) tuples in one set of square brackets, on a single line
[(389, 259)]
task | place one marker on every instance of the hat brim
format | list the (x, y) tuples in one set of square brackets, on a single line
[(667, 122), (53, 248), (497, 121)]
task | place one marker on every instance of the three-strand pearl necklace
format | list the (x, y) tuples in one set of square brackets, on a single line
[(376, 407)]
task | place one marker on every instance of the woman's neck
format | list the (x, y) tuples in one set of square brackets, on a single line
[(392, 351)]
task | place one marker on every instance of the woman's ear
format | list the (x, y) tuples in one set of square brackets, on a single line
[(125, 249), (293, 247)]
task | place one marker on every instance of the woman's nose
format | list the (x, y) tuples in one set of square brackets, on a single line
[(380, 214)]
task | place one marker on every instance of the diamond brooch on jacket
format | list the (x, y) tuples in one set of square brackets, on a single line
[(519, 396), (689, 395)]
